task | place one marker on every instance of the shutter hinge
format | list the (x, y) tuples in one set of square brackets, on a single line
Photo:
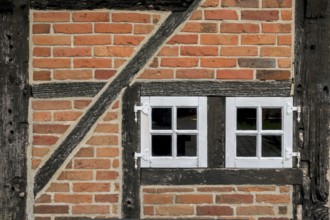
[(140, 155), (144, 108), (289, 154), (290, 108)]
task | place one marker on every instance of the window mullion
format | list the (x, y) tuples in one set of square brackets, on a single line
[(174, 134), (259, 128)]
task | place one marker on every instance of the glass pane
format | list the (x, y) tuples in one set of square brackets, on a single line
[(246, 146), (187, 118), (271, 146), (161, 118), (161, 145), (271, 119), (187, 145), (246, 119)]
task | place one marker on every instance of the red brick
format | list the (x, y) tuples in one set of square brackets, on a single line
[(284, 40), (255, 188), (286, 15), (284, 189), (113, 28), (76, 175), (273, 199), (107, 152), (194, 199), (154, 63), (92, 40), (73, 74), (234, 199), (41, 29), (215, 189), (220, 14), (58, 187), (239, 51), (131, 17), (72, 28), (41, 51), (49, 128), (179, 62), (169, 51), (51, 16), (44, 140), (195, 74), (41, 75), (51, 209), (51, 63), (219, 39), (90, 209), (119, 62), (240, 3), (92, 63), (113, 51), (107, 128), (107, 198), (174, 190), (157, 74), (106, 175), (215, 210), (128, 40), (67, 116), (234, 74), (196, 15), (284, 63), (81, 104), (44, 198), (276, 28), (104, 74), (85, 152), (115, 163), (255, 210), (276, 51), (111, 116), (91, 164), (73, 198), (174, 210), (158, 199), (200, 27), (103, 140), (143, 28), (35, 163), (39, 151), (218, 62), (184, 39), (148, 210), (210, 3), (42, 116), (239, 28), (91, 16), (260, 15), (258, 39), (51, 40), (51, 105), (91, 187), (277, 3), (199, 51), (72, 52)]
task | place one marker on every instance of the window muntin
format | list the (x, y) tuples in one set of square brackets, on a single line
[(258, 132), (174, 132)]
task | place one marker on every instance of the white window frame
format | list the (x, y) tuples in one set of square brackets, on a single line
[(285, 161), (147, 160)]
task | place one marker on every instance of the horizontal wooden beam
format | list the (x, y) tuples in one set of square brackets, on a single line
[(160, 5), (221, 176), (217, 88), (62, 90)]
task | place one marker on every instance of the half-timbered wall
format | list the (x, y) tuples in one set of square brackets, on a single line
[(81, 51)]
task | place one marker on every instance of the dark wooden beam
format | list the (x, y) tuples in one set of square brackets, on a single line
[(220, 176), (14, 103), (312, 85), (161, 5), (217, 88), (109, 94), (63, 90)]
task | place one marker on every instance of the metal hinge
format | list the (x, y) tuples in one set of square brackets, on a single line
[(144, 109), (137, 155), (289, 154), (290, 108)]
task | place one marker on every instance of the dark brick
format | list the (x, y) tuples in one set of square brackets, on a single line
[(260, 15), (51, 209), (257, 62), (273, 74), (214, 210)]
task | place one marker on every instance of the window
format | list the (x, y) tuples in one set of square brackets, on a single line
[(174, 132), (258, 132)]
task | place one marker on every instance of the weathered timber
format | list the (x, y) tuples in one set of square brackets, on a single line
[(216, 88), (63, 90), (220, 176), (130, 144), (215, 133), (312, 83), (14, 102), (109, 94), (162, 5)]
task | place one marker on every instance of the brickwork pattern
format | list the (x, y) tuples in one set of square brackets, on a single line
[(246, 202)]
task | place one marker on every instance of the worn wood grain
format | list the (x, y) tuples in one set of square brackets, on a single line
[(312, 83), (162, 5), (14, 102), (218, 88), (109, 94), (220, 176), (64, 90)]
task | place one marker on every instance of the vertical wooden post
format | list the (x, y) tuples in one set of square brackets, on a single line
[(14, 51), (312, 85)]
